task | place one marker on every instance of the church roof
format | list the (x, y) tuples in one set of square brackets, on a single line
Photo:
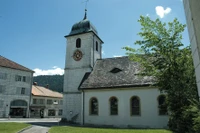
[(115, 73), (4, 62), (83, 26)]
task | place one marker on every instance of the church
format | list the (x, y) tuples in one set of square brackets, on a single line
[(107, 92)]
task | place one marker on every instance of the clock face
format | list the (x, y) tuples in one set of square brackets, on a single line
[(77, 55)]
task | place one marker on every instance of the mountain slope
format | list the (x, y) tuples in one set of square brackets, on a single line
[(55, 82)]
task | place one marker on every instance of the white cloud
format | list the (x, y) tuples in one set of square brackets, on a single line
[(53, 71), (161, 12), (117, 55), (55, 67)]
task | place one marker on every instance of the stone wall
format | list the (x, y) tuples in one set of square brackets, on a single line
[(11, 89)]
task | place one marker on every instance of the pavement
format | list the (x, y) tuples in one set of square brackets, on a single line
[(39, 125), (36, 129)]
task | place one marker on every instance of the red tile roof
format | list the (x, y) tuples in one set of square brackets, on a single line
[(42, 91), (4, 62)]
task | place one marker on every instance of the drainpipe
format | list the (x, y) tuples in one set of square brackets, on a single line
[(30, 97), (83, 108)]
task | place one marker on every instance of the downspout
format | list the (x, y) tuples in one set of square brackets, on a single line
[(30, 96), (83, 107)]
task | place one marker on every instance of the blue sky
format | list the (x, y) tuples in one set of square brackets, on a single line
[(32, 31)]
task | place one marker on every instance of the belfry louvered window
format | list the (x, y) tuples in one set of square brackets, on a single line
[(78, 43), (97, 46)]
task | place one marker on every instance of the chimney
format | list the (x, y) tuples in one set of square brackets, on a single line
[(34, 83), (47, 86)]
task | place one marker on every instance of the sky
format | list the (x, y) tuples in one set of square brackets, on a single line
[(32, 31)]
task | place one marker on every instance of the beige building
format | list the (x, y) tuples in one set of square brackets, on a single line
[(192, 10), (15, 88), (45, 102)]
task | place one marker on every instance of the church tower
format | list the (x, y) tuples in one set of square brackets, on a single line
[(83, 49)]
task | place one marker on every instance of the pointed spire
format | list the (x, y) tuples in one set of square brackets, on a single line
[(85, 17)]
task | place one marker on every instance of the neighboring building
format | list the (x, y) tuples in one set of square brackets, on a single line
[(107, 91), (15, 89), (192, 9), (45, 102)]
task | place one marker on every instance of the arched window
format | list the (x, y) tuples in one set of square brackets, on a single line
[(97, 46), (162, 105), (18, 103), (93, 106), (78, 43), (135, 106), (113, 106)]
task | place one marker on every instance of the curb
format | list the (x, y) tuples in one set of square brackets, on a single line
[(26, 128)]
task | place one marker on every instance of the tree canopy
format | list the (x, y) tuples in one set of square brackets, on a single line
[(163, 56)]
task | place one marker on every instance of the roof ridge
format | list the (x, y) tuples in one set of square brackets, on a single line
[(110, 58)]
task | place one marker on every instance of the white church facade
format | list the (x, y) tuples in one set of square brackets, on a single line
[(107, 92)]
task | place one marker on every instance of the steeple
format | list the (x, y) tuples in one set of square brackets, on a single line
[(85, 17)]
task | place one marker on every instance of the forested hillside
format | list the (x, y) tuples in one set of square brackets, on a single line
[(55, 82)]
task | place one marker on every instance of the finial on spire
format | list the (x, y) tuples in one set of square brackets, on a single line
[(85, 17)]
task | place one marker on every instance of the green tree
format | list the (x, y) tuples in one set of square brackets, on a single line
[(163, 56)]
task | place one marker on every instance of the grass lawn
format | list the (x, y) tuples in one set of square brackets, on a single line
[(68, 129), (11, 127)]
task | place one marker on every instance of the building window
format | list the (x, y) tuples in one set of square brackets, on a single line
[(51, 112), (3, 76), (93, 106), (135, 106), (78, 43), (41, 101), (24, 79), (49, 102), (2, 89), (18, 103), (97, 46), (34, 101), (60, 112), (18, 78), (22, 91), (162, 105), (113, 106)]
